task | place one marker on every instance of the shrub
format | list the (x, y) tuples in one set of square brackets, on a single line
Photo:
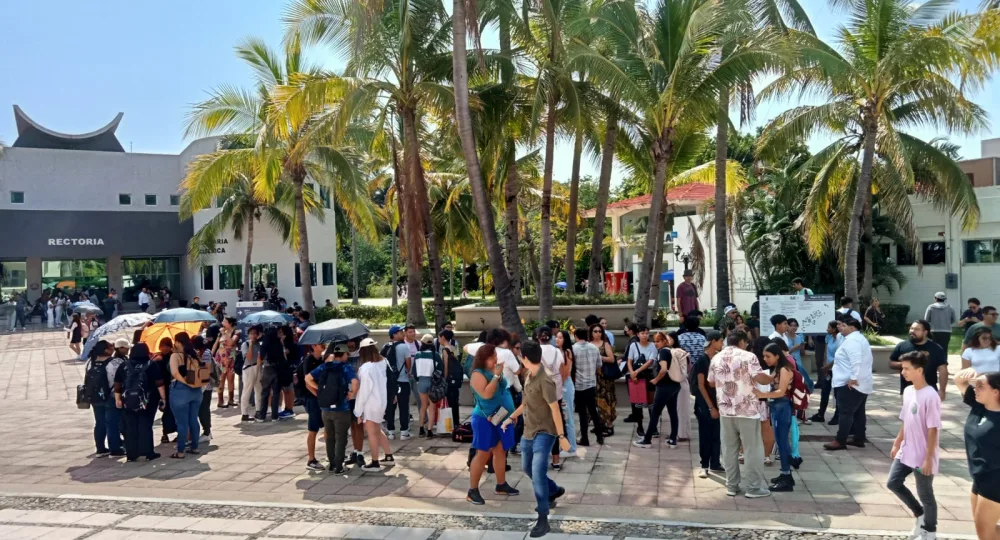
[(382, 316), (896, 318), (376, 290), (572, 300)]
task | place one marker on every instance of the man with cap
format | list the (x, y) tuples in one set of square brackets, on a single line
[(942, 317), (730, 314), (687, 295), (397, 353), (337, 414)]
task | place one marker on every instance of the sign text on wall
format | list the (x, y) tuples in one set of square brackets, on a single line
[(76, 241)]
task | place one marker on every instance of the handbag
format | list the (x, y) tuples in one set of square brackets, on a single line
[(637, 394), (611, 371), (82, 402), (444, 422)]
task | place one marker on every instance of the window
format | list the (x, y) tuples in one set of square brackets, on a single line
[(905, 256), (324, 196), (982, 251), (933, 252), (155, 273), (13, 278), (150, 200), (312, 275), (124, 199), (207, 278), (175, 200), (327, 274), (264, 274), (230, 276), (90, 276), (16, 197)]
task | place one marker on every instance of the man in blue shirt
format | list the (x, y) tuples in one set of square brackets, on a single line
[(337, 416), (832, 342)]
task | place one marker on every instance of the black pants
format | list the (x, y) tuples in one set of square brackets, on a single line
[(665, 396), (205, 412), (586, 406), (942, 339), (825, 384), (452, 396), (403, 404), (562, 414), (138, 433), (519, 423), (270, 392), (709, 436), (851, 412)]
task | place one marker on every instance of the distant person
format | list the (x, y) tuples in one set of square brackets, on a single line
[(989, 321), (935, 367), (604, 324), (144, 300), (874, 318), (800, 287), (686, 295), (847, 308), (942, 318), (972, 315)]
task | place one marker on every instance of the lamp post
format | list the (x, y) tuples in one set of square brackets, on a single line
[(684, 258)]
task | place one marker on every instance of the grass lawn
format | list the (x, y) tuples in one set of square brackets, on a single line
[(954, 346)]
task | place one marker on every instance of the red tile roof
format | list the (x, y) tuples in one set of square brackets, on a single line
[(687, 192)]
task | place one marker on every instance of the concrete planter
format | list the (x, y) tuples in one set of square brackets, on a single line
[(476, 318), (880, 358)]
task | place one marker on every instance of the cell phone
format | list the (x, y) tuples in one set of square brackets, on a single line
[(499, 416)]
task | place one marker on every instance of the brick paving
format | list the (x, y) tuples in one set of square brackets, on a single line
[(46, 447)]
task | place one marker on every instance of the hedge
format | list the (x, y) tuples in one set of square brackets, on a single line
[(379, 316), (897, 319), (572, 300)]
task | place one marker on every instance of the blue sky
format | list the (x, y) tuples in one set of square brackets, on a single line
[(73, 65)]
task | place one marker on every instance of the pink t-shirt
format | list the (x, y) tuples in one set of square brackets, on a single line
[(921, 412)]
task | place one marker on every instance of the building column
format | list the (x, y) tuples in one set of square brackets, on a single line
[(33, 272), (114, 267)]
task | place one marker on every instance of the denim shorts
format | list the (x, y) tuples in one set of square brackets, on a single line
[(315, 414)]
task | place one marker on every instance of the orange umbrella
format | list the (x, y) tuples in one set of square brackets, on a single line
[(151, 335)]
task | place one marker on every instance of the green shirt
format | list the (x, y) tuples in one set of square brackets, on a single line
[(972, 330), (805, 290)]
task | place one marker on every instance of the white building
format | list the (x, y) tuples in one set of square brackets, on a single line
[(964, 264), (78, 212)]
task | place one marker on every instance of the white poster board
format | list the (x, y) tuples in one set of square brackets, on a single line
[(813, 312)]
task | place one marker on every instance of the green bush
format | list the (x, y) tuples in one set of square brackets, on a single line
[(379, 290), (572, 300), (382, 316), (896, 318)]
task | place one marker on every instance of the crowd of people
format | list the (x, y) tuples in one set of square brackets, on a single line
[(748, 394)]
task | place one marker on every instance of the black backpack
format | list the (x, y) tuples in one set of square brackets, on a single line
[(439, 386), (392, 371), (639, 362), (134, 395), (305, 367), (333, 388), (95, 383)]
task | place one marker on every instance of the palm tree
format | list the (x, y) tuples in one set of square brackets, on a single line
[(287, 148), (894, 70)]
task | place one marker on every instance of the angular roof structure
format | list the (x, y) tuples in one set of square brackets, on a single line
[(32, 135)]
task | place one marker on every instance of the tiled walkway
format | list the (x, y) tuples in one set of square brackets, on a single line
[(46, 447)]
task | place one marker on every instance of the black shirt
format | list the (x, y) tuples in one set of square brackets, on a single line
[(666, 355), (982, 436), (936, 358), (701, 366), (968, 313)]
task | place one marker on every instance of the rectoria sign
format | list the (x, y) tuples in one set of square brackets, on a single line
[(76, 241)]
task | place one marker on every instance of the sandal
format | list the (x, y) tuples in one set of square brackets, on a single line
[(177, 455)]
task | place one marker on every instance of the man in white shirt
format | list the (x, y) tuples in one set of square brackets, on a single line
[(852, 384), (410, 337), (780, 324), (144, 300), (501, 339), (847, 308)]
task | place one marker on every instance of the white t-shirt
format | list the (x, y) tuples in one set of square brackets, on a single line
[(143, 298), (636, 348), (425, 366), (855, 314), (510, 367), (983, 360), (553, 360)]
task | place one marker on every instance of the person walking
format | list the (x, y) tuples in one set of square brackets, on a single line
[(935, 369), (874, 319), (370, 404), (565, 344), (832, 340), (981, 392), (686, 295), (706, 408), (555, 366), (188, 375), (493, 403), (75, 334), (780, 407), (942, 318), (981, 352), (144, 300), (853, 383), (250, 377), (543, 426), (588, 361), (139, 385), (733, 373), (916, 446), (334, 383), (50, 312)]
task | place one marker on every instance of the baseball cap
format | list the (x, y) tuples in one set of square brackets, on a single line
[(940, 295), (427, 338), (688, 273), (394, 329), (694, 314), (368, 342), (121, 343), (340, 348)]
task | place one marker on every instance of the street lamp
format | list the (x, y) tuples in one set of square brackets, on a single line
[(684, 258)]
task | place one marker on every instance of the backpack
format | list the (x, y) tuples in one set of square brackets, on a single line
[(798, 393), (308, 364), (637, 363), (439, 386), (333, 388), (95, 383), (462, 433), (674, 370), (134, 395)]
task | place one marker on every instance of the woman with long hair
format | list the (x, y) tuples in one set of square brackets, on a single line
[(286, 371), (493, 404), (139, 423), (424, 365), (874, 318), (225, 357), (981, 392), (188, 378), (766, 431), (793, 429), (781, 411), (607, 400), (371, 401), (565, 344), (685, 403), (666, 393), (75, 334), (981, 353)]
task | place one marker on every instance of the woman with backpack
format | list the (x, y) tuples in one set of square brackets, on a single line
[(139, 386), (98, 382), (427, 365), (189, 375), (667, 380), (205, 407), (453, 374), (780, 406), (372, 399)]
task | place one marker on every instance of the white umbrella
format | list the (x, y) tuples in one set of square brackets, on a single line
[(119, 323)]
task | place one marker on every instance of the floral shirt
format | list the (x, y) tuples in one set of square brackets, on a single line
[(732, 372)]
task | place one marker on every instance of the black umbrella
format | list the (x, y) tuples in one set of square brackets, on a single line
[(334, 331)]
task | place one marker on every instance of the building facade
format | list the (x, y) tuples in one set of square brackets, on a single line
[(79, 213)]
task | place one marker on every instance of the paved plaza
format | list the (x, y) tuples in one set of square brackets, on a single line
[(46, 448)]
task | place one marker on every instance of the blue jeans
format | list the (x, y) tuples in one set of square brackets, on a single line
[(535, 462), (781, 420), (569, 400), (106, 418), (184, 403)]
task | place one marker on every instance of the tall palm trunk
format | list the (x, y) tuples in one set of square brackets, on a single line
[(437, 276), (536, 275), (721, 254), (501, 282), (594, 278), (451, 276), (545, 256), (656, 280), (511, 187), (661, 155), (861, 197), (354, 267), (395, 271), (867, 280), (574, 194), (305, 275), (247, 273), (399, 210), (415, 197)]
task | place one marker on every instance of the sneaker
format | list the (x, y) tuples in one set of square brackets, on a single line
[(541, 527), (557, 466), (585, 443), (117, 453), (422, 432), (505, 489), (833, 421), (757, 494), (732, 492), (717, 469), (559, 493), (405, 436), (641, 444), (286, 414), (784, 483), (390, 435), (640, 432), (703, 473), (339, 469), (629, 419), (778, 478), (808, 421), (655, 435), (796, 462), (357, 459), (474, 497), (102, 453), (856, 443), (671, 444), (565, 454), (918, 529), (314, 465), (261, 420), (373, 466), (152, 456), (930, 535), (245, 418), (205, 437), (817, 418), (388, 459)]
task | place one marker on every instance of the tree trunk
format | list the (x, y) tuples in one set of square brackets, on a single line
[(305, 276), (247, 273), (662, 148), (656, 281), (574, 194), (501, 282), (536, 275), (867, 280), (395, 271), (399, 210), (354, 267), (861, 196), (511, 188), (545, 256), (451, 276), (595, 278), (416, 213), (437, 277), (721, 241)]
